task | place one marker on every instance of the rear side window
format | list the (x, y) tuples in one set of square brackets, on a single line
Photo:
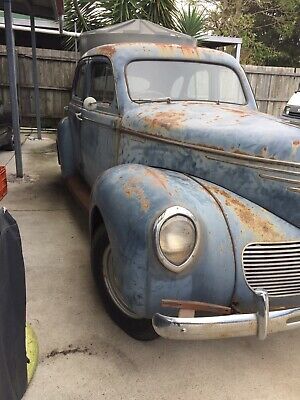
[(79, 89), (102, 82)]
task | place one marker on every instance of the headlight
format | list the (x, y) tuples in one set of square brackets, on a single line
[(176, 237), (287, 110)]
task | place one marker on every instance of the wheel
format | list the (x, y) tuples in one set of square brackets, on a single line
[(103, 273), (10, 146)]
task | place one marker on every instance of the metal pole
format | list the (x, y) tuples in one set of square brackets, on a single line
[(76, 43), (35, 79), (238, 52), (12, 73)]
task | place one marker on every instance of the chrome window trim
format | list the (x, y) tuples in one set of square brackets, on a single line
[(167, 214)]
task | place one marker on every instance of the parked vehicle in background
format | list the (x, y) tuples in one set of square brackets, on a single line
[(194, 193), (292, 109), (6, 134)]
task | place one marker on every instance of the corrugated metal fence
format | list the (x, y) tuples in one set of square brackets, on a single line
[(272, 86)]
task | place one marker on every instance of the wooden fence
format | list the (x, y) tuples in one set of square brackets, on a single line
[(272, 86), (55, 74)]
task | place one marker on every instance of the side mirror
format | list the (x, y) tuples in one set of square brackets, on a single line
[(90, 104)]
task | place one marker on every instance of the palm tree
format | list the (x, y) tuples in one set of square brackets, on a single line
[(162, 12), (191, 21), (93, 14), (121, 10)]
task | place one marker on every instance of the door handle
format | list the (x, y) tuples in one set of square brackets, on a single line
[(79, 116)]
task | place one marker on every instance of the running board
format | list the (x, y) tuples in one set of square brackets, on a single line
[(80, 190)]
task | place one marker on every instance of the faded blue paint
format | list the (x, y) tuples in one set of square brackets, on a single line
[(255, 156), (130, 198)]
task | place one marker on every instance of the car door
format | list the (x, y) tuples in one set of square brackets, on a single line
[(99, 137), (75, 109)]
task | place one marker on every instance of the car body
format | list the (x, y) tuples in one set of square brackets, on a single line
[(291, 111), (198, 191)]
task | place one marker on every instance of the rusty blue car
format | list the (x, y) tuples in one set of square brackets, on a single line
[(193, 194)]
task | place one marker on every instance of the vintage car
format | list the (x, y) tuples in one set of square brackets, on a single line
[(194, 207), (291, 111)]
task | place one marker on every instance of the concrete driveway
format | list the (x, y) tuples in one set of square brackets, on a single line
[(83, 355)]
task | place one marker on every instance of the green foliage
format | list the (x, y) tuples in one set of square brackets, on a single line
[(120, 10), (191, 21), (162, 12), (269, 28), (95, 14)]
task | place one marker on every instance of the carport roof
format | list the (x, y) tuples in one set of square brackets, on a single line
[(49, 9)]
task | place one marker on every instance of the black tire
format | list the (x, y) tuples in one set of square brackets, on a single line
[(139, 329), (10, 146)]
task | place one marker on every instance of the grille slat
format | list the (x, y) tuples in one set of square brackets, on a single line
[(274, 267), (272, 255), (294, 278), (271, 262)]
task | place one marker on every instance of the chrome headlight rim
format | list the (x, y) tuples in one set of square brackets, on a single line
[(165, 216)]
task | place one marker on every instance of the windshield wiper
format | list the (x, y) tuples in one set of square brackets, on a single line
[(159, 100)]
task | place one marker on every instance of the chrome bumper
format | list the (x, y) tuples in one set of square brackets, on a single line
[(258, 324)]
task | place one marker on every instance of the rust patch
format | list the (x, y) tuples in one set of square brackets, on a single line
[(296, 143), (131, 189), (263, 229), (108, 50), (166, 120), (187, 51)]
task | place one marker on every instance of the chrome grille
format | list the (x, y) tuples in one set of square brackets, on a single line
[(274, 267)]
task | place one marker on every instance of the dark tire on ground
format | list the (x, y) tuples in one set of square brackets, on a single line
[(10, 146), (139, 329)]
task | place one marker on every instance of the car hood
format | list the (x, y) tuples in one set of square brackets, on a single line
[(222, 127), (247, 152)]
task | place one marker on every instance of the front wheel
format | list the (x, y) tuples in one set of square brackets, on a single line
[(103, 273)]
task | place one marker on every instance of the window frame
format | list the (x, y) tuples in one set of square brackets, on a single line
[(82, 63), (190, 61), (112, 107)]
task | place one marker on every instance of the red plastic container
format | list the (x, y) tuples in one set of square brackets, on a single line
[(3, 182)]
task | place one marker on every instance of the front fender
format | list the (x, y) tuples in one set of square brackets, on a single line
[(130, 198)]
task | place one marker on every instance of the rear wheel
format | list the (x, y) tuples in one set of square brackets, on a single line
[(103, 273)]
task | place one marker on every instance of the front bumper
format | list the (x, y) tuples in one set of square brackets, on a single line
[(258, 324)]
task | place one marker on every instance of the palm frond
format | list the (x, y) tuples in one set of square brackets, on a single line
[(191, 21), (120, 10), (162, 12)]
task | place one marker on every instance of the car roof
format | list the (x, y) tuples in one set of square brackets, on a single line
[(133, 51)]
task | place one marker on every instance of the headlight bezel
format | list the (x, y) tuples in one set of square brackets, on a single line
[(165, 216)]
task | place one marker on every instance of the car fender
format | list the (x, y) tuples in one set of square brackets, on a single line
[(128, 199)]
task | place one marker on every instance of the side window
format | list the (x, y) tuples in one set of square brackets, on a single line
[(102, 82), (78, 89)]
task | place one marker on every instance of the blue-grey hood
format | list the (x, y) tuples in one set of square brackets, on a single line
[(252, 154), (223, 127)]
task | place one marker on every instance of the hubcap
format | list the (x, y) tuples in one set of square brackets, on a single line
[(111, 283)]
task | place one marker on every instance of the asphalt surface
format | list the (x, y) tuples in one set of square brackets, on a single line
[(83, 354)]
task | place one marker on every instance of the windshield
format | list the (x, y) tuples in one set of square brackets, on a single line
[(155, 80)]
